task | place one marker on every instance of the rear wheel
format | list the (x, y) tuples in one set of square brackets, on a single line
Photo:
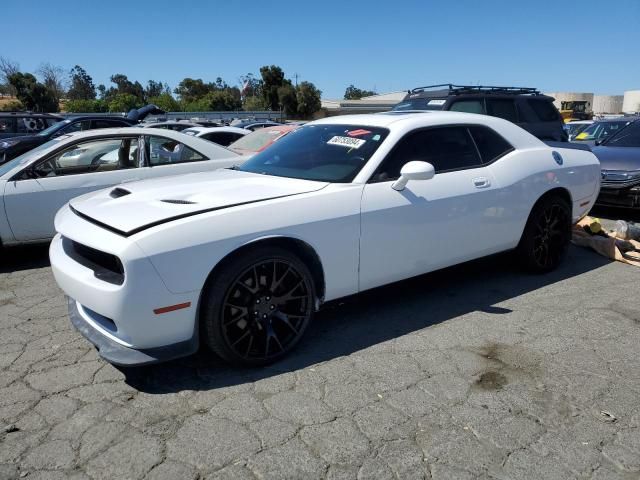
[(546, 235), (258, 306)]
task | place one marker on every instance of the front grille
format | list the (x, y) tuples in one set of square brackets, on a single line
[(105, 266)]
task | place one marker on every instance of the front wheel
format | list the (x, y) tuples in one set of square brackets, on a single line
[(546, 236), (258, 306)]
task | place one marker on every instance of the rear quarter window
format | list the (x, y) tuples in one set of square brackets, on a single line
[(544, 110), (490, 144)]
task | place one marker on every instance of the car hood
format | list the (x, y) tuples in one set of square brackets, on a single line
[(129, 208), (618, 158)]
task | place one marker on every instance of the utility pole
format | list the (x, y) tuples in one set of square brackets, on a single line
[(295, 75)]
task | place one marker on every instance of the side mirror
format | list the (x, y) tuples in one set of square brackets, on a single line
[(413, 171), (598, 143)]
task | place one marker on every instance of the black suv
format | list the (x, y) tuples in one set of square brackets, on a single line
[(526, 107), (12, 147), (15, 124)]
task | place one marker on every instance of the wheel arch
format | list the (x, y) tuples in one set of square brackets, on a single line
[(562, 192), (295, 245)]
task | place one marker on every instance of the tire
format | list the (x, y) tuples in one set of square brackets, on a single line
[(546, 235), (258, 306)]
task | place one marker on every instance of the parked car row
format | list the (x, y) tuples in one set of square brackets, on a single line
[(12, 147)]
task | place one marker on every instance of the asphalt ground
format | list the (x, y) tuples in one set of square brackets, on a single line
[(476, 371)]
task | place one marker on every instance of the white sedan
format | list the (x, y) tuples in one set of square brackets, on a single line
[(344, 204), (34, 186), (224, 136)]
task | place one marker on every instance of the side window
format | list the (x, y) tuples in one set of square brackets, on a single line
[(490, 145), (502, 108), (6, 125), (222, 138), (448, 148), (75, 127), (101, 155), (163, 151), (30, 125), (544, 110), (107, 124), (468, 106)]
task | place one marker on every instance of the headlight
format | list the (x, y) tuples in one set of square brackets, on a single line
[(8, 143)]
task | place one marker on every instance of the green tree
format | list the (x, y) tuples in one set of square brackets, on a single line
[(287, 98), (254, 104), (86, 106), (354, 93), (80, 85), (250, 86), (166, 102), (155, 89), (272, 80), (123, 102), (124, 86), (191, 89), (308, 99), (32, 94)]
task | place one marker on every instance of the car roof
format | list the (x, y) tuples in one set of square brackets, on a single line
[(404, 122)]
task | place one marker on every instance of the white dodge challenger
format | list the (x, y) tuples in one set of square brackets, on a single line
[(239, 259)]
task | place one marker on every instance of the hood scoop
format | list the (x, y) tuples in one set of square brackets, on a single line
[(119, 192), (179, 202)]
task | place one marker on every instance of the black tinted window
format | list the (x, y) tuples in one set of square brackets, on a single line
[(469, 106), (502, 108), (489, 143), (627, 137), (222, 138), (447, 148), (108, 124), (544, 110)]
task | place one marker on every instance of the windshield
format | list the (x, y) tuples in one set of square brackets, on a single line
[(27, 156), (421, 104), (600, 130), (256, 141), (327, 153), (53, 128), (628, 137)]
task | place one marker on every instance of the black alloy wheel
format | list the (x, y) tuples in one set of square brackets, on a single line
[(547, 234), (259, 307)]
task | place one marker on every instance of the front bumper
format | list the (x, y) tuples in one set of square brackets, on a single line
[(116, 353)]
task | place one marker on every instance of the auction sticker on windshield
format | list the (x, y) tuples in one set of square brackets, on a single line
[(348, 142)]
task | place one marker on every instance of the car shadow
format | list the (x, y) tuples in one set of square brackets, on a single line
[(627, 214), (373, 317), (25, 257)]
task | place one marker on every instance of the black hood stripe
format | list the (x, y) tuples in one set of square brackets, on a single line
[(171, 219)]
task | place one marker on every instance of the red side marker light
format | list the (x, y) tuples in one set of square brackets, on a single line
[(171, 308)]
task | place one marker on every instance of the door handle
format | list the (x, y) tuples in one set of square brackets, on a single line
[(481, 182)]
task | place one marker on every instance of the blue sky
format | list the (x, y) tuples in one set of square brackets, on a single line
[(392, 45)]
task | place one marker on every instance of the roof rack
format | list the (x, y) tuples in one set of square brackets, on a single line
[(460, 89)]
